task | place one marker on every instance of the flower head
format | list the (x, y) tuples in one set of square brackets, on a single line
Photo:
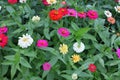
[(118, 52), (76, 58), (92, 14), (63, 2), (108, 13), (82, 14), (42, 43), (78, 47), (55, 15), (46, 66), (12, 1), (25, 41), (117, 8), (74, 76), (3, 40), (22, 1), (92, 68), (52, 1), (72, 12), (64, 11), (63, 48), (35, 18), (111, 20), (63, 32), (3, 30), (45, 2)]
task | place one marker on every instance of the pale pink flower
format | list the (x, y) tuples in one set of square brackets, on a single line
[(3, 30), (92, 14), (81, 14), (63, 32), (42, 43), (63, 2), (46, 66), (72, 12), (118, 52)]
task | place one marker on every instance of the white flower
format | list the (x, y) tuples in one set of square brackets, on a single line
[(22, 1), (117, 8), (108, 13), (36, 18), (0, 7), (74, 76), (25, 41), (78, 48), (51, 1)]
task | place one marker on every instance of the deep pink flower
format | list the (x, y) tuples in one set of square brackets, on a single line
[(92, 68), (72, 12), (81, 14), (46, 66), (42, 43), (3, 30), (118, 52), (45, 2), (117, 0), (63, 32), (92, 14)]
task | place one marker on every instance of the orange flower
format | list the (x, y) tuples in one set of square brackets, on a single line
[(111, 20)]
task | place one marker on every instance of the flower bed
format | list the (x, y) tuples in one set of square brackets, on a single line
[(59, 40)]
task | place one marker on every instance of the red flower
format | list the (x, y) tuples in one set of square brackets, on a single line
[(12, 1), (92, 68), (55, 15), (3, 40), (64, 11)]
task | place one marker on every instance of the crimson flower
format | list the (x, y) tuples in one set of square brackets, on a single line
[(92, 68), (3, 40)]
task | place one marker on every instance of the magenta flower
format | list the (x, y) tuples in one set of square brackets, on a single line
[(46, 66), (72, 12), (64, 32), (92, 14), (42, 43), (118, 52), (81, 14), (45, 2), (3, 30)]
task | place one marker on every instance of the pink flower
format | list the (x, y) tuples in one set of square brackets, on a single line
[(92, 14), (45, 2), (63, 2), (118, 52), (72, 12), (81, 14), (46, 66), (63, 32), (117, 0), (3, 30), (42, 43)]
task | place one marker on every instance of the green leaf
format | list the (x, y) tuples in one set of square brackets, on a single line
[(67, 77), (13, 71), (101, 61), (46, 33), (74, 26), (113, 62), (24, 63), (10, 9)]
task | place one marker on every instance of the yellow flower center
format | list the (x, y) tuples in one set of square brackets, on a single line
[(25, 39)]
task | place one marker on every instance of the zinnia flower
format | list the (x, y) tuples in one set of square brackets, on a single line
[(81, 14), (78, 47), (76, 58), (92, 14), (42, 43), (108, 13), (111, 20), (45, 2), (92, 68), (117, 8), (63, 2), (118, 52), (25, 41), (51, 1), (22, 1), (63, 48), (3, 30), (46, 66), (35, 18), (72, 12), (3, 40), (55, 15), (74, 76), (64, 11), (63, 32), (12, 1)]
